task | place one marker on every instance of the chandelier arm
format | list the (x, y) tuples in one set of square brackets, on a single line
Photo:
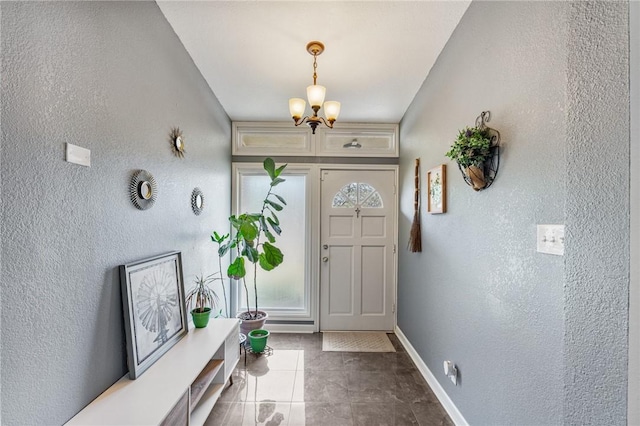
[(328, 123), (300, 120)]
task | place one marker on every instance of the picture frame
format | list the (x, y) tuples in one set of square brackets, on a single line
[(437, 189), (155, 316)]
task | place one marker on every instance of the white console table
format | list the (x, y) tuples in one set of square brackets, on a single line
[(180, 388)]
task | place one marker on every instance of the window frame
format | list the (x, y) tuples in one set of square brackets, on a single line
[(307, 314)]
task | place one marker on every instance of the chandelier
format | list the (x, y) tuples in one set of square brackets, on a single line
[(315, 94)]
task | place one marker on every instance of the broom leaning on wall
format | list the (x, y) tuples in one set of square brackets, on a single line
[(415, 236)]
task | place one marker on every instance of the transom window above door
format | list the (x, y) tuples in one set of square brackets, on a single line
[(357, 194)]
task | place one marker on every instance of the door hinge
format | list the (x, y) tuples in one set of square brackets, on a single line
[(393, 308), (394, 248)]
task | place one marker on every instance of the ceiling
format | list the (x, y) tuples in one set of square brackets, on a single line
[(253, 53)]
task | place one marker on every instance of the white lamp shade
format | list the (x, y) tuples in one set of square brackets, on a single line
[(331, 110), (296, 107), (315, 94)]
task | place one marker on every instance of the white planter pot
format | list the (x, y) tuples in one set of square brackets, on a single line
[(251, 324)]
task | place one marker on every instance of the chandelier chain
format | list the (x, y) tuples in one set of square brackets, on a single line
[(315, 67)]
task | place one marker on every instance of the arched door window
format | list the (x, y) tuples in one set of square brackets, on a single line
[(357, 194)]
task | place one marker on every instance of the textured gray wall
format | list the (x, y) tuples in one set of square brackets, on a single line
[(1, 204), (596, 293), (634, 303), (114, 78), (479, 294)]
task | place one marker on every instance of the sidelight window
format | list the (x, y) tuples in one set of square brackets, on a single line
[(285, 291)]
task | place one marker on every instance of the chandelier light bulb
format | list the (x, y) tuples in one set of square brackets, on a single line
[(331, 110), (296, 107), (315, 95)]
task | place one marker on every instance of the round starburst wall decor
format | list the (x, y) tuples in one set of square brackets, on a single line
[(197, 201), (176, 139), (143, 190)]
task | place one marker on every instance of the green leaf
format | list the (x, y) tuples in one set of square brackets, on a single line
[(277, 181), (236, 269), (276, 206), (269, 235), (270, 166), (264, 264), (272, 254), (234, 221), (263, 223), (249, 231), (280, 198), (275, 226), (251, 253), (275, 218), (279, 170), (223, 249), (218, 238)]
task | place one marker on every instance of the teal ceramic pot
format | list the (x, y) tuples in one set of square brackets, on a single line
[(201, 319), (258, 340)]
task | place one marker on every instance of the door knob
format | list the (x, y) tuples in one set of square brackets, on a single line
[(325, 259), (325, 246)]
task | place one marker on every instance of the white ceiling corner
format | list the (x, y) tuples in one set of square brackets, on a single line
[(252, 53)]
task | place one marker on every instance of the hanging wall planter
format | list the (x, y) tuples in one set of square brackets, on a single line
[(477, 152)]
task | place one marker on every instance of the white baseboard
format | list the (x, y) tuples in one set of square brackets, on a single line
[(441, 394)]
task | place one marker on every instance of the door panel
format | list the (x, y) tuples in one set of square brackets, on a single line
[(374, 226), (341, 226), (373, 282), (341, 284), (357, 272)]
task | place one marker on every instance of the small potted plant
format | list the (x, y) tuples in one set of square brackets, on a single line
[(471, 149), (202, 300), (254, 235)]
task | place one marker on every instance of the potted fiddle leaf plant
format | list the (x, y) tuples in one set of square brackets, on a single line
[(253, 243), (202, 300), (471, 149)]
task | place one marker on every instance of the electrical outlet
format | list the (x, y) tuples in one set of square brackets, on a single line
[(550, 239), (451, 371)]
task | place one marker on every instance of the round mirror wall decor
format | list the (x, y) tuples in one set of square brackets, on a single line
[(176, 139), (143, 190), (197, 201)]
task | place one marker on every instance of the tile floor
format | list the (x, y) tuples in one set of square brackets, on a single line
[(299, 384)]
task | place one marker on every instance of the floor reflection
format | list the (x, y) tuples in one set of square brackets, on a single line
[(300, 385)]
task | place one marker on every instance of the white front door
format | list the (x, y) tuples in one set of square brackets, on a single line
[(357, 271)]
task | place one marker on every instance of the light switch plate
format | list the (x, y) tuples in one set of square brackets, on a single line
[(78, 155), (550, 239)]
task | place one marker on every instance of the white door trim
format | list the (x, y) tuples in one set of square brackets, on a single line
[(396, 169)]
